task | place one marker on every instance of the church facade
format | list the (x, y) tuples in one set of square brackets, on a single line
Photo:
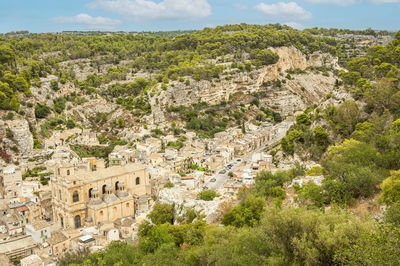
[(91, 195)]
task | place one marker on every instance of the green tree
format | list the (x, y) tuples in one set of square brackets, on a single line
[(303, 119), (41, 111), (391, 189), (247, 213), (162, 213)]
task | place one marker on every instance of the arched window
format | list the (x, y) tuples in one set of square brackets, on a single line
[(62, 221), (90, 193), (116, 185), (77, 221), (137, 181), (101, 213), (68, 172), (75, 197), (127, 205), (103, 189), (59, 194)]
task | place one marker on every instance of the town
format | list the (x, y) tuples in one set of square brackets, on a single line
[(85, 203)]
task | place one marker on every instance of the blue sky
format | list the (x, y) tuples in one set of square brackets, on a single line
[(155, 15)]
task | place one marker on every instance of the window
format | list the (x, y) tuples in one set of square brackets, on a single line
[(103, 189), (137, 181), (74, 182), (90, 193), (127, 205), (68, 172), (59, 193), (77, 220), (116, 185), (75, 197)]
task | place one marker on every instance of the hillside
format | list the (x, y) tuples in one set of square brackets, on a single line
[(52, 79), (328, 98)]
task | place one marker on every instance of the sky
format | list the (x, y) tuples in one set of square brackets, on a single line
[(161, 15)]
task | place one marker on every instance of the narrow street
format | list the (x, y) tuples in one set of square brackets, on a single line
[(221, 178)]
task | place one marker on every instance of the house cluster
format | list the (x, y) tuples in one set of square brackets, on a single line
[(54, 201), (68, 204)]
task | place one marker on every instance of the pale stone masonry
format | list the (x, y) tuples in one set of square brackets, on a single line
[(88, 195)]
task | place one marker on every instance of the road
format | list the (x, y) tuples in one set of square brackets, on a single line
[(221, 178)]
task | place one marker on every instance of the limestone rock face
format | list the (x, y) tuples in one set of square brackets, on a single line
[(183, 199), (298, 93), (90, 108), (22, 136)]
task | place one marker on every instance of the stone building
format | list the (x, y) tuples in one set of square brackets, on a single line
[(19, 247), (89, 195)]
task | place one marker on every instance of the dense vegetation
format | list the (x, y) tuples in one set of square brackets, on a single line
[(256, 234), (365, 131), (25, 58)]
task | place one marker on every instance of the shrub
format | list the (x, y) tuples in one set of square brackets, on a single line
[(168, 185), (10, 116), (70, 124), (54, 85), (41, 111), (207, 195)]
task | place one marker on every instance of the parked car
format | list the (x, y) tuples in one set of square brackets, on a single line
[(213, 180), (222, 172)]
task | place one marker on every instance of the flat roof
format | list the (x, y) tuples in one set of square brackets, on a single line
[(38, 225), (24, 242), (103, 173), (86, 239), (56, 237)]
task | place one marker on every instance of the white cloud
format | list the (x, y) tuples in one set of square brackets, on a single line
[(290, 10), (385, 1), (337, 2), (143, 10), (240, 6), (351, 2), (295, 25), (89, 22)]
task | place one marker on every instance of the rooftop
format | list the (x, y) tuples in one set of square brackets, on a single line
[(103, 173), (22, 208), (56, 237), (23, 242), (32, 259), (38, 225)]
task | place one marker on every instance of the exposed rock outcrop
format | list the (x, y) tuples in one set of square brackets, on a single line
[(299, 92), (21, 135)]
